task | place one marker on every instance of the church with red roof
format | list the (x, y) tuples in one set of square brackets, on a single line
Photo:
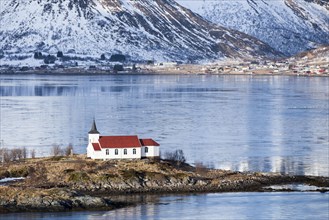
[(120, 147)]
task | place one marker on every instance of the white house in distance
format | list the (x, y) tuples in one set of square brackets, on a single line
[(120, 147)]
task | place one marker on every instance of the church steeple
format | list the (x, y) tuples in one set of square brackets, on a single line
[(93, 129)]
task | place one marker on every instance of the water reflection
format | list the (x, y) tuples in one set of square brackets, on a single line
[(228, 206), (275, 124), (293, 205)]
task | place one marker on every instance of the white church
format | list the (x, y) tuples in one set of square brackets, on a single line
[(120, 147)]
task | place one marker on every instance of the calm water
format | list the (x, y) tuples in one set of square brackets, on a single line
[(209, 207), (256, 123), (242, 123)]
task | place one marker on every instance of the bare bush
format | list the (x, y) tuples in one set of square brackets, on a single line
[(8, 155), (177, 156), (56, 150), (33, 153), (200, 168), (13, 154), (24, 153), (69, 150), (19, 153)]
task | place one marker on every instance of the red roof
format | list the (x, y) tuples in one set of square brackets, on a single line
[(148, 142), (96, 146), (119, 141)]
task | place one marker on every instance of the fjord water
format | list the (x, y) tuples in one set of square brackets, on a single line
[(218, 206), (245, 123)]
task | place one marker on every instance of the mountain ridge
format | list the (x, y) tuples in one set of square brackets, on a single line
[(144, 29), (288, 26)]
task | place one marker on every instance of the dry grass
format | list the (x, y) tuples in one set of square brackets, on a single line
[(66, 170)]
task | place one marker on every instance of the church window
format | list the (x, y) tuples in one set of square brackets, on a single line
[(107, 152), (146, 149), (125, 151), (116, 152), (134, 151)]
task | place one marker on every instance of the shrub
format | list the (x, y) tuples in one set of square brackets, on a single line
[(49, 59), (60, 54), (118, 58), (68, 170), (176, 156), (118, 67), (12, 154), (129, 174), (56, 150), (200, 168), (32, 153), (19, 172), (2, 54), (38, 55), (15, 154), (106, 176), (5, 155), (78, 176), (56, 158), (24, 152), (69, 150)]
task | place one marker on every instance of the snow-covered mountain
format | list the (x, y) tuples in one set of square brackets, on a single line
[(289, 26), (146, 29)]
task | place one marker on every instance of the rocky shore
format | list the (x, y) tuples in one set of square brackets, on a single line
[(77, 183)]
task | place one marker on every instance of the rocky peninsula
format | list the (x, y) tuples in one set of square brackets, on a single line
[(77, 183)]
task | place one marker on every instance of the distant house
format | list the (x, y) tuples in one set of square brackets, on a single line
[(120, 147)]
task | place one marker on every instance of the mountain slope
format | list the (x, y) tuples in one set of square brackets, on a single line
[(318, 55), (289, 26), (143, 29)]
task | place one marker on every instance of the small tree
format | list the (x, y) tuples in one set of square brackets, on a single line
[(134, 67), (24, 152), (118, 58), (33, 153), (6, 155), (56, 150), (103, 57), (2, 54), (176, 156), (200, 168), (49, 59), (35, 55), (69, 150), (38, 55), (60, 54), (118, 67), (14, 154), (19, 153)]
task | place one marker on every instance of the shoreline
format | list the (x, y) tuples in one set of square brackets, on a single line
[(245, 69), (76, 183), (150, 73)]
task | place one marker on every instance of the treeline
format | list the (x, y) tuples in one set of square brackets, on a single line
[(59, 151), (7, 155), (50, 59), (19, 154)]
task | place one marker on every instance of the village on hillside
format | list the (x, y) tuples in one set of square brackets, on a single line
[(313, 63)]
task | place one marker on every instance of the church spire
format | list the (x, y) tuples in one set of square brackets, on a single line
[(93, 129)]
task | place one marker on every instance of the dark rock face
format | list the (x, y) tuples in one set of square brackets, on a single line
[(20, 199)]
